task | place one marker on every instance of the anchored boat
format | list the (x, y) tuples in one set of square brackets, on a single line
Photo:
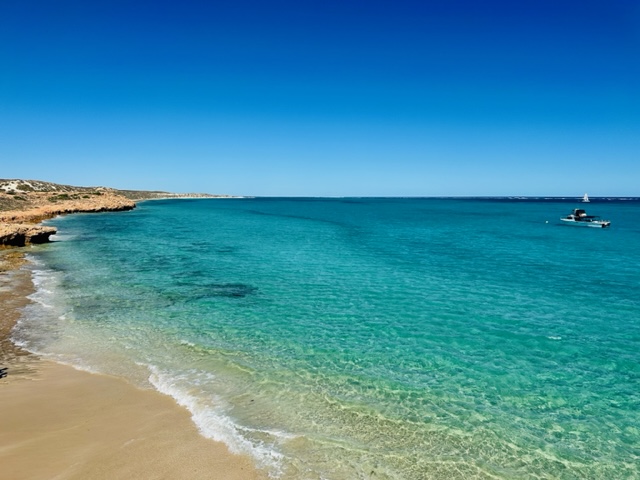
[(580, 218)]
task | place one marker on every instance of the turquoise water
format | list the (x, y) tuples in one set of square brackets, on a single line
[(365, 338)]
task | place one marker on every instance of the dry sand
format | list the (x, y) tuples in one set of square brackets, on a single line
[(60, 423)]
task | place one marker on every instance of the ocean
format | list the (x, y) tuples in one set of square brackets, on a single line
[(362, 338)]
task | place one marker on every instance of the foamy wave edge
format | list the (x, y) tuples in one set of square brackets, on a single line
[(43, 281), (216, 426)]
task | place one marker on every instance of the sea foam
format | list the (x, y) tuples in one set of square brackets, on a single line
[(209, 413)]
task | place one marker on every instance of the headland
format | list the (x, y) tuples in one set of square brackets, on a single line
[(25, 203)]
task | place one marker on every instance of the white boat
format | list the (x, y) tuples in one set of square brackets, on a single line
[(580, 218), (585, 199)]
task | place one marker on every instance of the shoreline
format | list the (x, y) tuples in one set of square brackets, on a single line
[(15, 287), (59, 422)]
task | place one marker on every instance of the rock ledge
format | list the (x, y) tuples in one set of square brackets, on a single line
[(18, 226), (20, 234), (24, 203)]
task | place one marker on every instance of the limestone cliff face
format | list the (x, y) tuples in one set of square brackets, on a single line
[(43, 206), (17, 226), (20, 234)]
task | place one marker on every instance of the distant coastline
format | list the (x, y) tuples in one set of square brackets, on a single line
[(26, 203)]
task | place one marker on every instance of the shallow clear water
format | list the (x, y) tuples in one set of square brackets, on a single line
[(365, 338)]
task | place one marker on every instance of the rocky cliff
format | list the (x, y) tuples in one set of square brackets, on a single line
[(24, 203), (20, 234)]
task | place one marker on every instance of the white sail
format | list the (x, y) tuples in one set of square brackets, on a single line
[(585, 199)]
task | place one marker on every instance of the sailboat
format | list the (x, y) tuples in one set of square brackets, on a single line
[(585, 199)]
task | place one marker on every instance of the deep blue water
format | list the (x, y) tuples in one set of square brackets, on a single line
[(365, 338)]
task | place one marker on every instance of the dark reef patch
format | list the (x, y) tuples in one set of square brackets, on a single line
[(231, 290)]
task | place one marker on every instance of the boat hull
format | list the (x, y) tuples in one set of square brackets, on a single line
[(580, 223)]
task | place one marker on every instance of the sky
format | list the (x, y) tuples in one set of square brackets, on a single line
[(324, 98)]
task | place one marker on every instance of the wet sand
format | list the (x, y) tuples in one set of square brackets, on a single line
[(58, 422)]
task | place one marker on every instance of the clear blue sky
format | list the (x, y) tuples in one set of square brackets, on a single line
[(324, 97)]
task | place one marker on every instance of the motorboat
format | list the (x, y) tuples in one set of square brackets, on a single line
[(580, 218)]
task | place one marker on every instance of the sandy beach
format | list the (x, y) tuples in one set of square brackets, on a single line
[(65, 424), (58, 422)]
